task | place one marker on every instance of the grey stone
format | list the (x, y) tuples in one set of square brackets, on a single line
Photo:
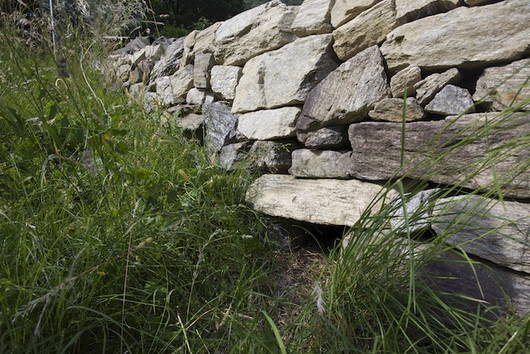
[(135, 76), (164, 92), (328, 138), (419, 212), (313, 17), (432, 84), (275, 79), (198, 97), (224, 80), (232, 155), (347, 94), (407, 11), (321, 164), (199, 42), (391, 110), (192, 122), (405, 80), (498, 231), (220, 124), (367, 29), (201, 70), (452, 100), (182, 82), (169, 63), (345, 10), (465, 37), (271, 156), (269, 124)]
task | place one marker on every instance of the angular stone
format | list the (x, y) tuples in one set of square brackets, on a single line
[(123, 72), (199, 97), (368, 29), (253, 32), (269, 124), (465, 37), (220, 125), (377, 153), (344, 10), (452, 100), (327, 138), (504, 86), (169, 63), (498, 231), (347, 94), (271, 156), (199, 42), (232, 155), (408, 11), (313, 17), (405, 80), (182, 82), (391, 110), (274, 80), (432, 84), (201, 71), (191, 122), (322, 201), (419, 211), (224, 80), (321, 164), (164, 92)]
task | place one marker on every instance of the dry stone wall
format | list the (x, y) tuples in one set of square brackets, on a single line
[(313, 96)]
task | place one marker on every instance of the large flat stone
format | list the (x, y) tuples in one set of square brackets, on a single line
[(463, 37), (377, 153), (321, 164), (269, 124), (498, 231), (313, 17), (345, 10), (224, 80), (323, 201), (284, 76)]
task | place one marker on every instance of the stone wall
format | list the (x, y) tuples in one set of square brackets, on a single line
[(314, 97)]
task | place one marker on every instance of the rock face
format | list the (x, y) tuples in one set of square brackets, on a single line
[(182, 82), (407, 10), (443, 41), (419, 211), (504, 86), (451, 100), (367, 29), (328, 202), (321, 164), (347, 94), (271, 156), (313, 17), (377, 153), (232, 154), (493, 230), (199, 42), (432, 84), (391, 110), (327, 138), (220, 125), (254, 32), (201, 73), (405, 80), (269, 124), (224, 80), (345, 10), (170, 61), (273, 79)]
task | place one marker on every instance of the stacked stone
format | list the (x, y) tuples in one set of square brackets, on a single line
[(316, 95)]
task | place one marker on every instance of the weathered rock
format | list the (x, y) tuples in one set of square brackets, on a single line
[(271, 156), (430, 153), (498, 231), (201, 70), (182, 82), (464, 37), (432, 84), (169, 63), (391, 109), (407, 11), (135, 76), (192, 122), (224, 80), (199, 97), (327, 138), (232, 155), (419, 211), (405, 80), (220, 124), (451, 100), (347, 94), (123, 72), (488, 117), (164, 92), (504, 86), (344, 10), (368, 29), (324, 201), (479, 2), (269, 124), (313, 17), (253, 32), (321, 164), (199, 42), (274, 79)]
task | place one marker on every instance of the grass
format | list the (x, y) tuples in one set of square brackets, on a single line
[(117, 234)]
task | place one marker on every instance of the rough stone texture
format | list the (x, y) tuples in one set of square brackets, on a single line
[(498, 231), (321, 164), (345, 10), (170, 61), (284, 76), (201, 72), (479, 2), (313, 17), (407, 10), (328, 138), (269, 124), (419, 210), (451, 100), (199, 42), (224, 80), (191, 122), (199, 97), (405, 80), (463, 37), (164, 92), (377, 153), (347, 94), (432, 84), (232, 155), (253, 32), (368, 29), (271, 156), (220, 125), (391, 109), (326, 201), (474, 117), (461, 282), (504, 86), (182, 82)]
